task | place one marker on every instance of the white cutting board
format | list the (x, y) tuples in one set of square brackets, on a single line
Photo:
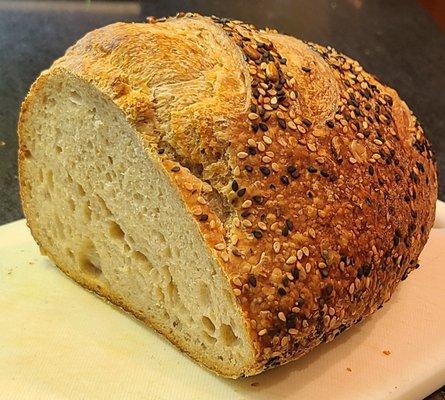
[(58, 341)]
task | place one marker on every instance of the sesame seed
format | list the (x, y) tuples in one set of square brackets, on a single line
[(276, 247), (262, 332), (258, 234), (291, 260), (330, 123), (281, 316), (175, 169), (241, 192), (293, 331), (201, 200), (252, 280), (306, 69), (291, 125), (237, 292), (267, 139), (265, 170), (246, 204), (284, 180), (307, 122), (253, 116), (237, 281), (263, 127), (312, 169), (220, 246), (242, 154), (203, 217), (235, 186)]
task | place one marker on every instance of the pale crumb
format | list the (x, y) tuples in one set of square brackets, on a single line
[(386, 352)]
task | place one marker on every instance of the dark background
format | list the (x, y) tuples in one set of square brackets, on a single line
[(400, 41)]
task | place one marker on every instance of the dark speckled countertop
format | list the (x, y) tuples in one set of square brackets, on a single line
[(393, 39)]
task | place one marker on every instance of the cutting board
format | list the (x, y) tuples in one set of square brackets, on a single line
[(59, 341)]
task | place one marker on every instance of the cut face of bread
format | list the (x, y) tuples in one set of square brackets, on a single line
[(107, 213)]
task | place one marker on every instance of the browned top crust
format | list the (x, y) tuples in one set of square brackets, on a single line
[(312, 182)]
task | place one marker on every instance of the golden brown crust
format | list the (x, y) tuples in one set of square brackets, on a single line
[(312, 183)]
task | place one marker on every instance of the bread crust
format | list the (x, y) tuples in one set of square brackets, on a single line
[(312, 183)]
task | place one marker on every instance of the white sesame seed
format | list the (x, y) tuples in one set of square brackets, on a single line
[(201, 200), (261, 146), (252, 116), (237, 292), (292, 125), (267, 139), (276, 247), (281, 316), (247, 204), (251, 142), (237, 281), (220, 246), (291, 260), (262, 332), (242, 154)]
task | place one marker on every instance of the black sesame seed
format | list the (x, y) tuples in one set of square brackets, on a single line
[(285, 231), (307, 122), (241, 192), (371, 170), (283, 61), (282, 123), (258, 199), (360, 273), (291, 168), (203, 217), (252, 150), (284, 180), (175, 169), (235, 186), (306, 69), (312, 169), (285, 281), (396, 240), (330, 123), (324, 173), (324, 272), (398, 177), (254, 127), (295, 273), (263, 127), (161, 151), (245, 213), (367, 269), (265, 170), (258, 234), (289, 224), (295, 174), (248, 168), (252, 280), (290, 320), (282, 291), (253, 108)]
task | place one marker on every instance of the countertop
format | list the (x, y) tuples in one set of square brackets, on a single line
[(393, 39)]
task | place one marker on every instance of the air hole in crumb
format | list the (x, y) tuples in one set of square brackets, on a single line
[(140, 257), (87, 211), (208, 324), (70, 254), (103, 205), (71, 204), (168, 252), (110, 160), (172, 292), (204, 294), (75, 98), (80, 190), (58, 149), (26, 153), (70, 178), (50, 179), (209, 339), (109, 177), (227, 335), (89, 260), (115, 230), (160, 236)]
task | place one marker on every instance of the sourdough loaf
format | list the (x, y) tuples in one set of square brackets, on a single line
[(244, 193)]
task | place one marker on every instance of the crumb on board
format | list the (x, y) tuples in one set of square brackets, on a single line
[(2, 143), (255, 384), (386, 352), (349, 369)]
